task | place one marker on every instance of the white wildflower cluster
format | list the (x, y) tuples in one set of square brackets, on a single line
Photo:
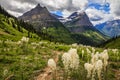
[(89, 68), (34, 45), (52, 64), (104, 56), (6, 49), (71, 59), (88, 51), (5, 72), (8, 42), (116, 52), (99, 61), (74, 45), (23, 40)]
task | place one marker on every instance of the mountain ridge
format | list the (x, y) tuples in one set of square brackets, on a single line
[(110, 28), (45, 23)]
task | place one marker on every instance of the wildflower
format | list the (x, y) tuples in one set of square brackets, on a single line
[(19, 43), (88, 51), (93, 49), (66, 60), (94, 58), (24, 39), (98, 67), (52, 64), (5, 72), (104, 56), (74, 60), (114, 50), (71, 59), (89, 68), (82, 53), (74, 45)]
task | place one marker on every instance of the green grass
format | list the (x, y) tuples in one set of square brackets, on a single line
[(26, 61), (9, 29), (112, 43)]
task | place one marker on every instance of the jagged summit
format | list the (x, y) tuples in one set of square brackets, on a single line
[(36, 14), (38, 5), (80, 19)]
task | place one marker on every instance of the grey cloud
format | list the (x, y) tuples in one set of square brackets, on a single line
[(96, 18), (52, 5), (27, 1)]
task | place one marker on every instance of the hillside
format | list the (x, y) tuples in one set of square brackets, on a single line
[(11, 28), (112, 43)]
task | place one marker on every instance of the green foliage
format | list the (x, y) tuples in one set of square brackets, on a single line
[(10, 28), (56, 33), (112, 43)]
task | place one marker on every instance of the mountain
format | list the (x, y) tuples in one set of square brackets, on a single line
[(80, 26), (47, 24), (110, 28), (11, 28), (79, 22)]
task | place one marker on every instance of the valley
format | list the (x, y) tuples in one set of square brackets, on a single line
[(39, 45)]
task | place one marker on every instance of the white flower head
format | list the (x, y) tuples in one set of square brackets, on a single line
[(104, 56), (74, 62), (71, 59), (89, 67), (83, 53), (66, 58), (52, 64), (99, 67), (94, 58), (74, 45), (93, 49), (25, 39), (88, 51)]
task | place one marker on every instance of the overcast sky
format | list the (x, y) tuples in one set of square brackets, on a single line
[(98, 10)]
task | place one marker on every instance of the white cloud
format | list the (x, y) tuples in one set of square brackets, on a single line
[(97, 1), (66, 13), (52, 5), (14, 13), (115, 7), (81, 4), (98, 14)]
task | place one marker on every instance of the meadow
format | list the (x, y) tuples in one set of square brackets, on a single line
[(25, 60)]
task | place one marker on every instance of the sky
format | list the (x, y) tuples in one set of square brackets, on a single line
[(99, 11)]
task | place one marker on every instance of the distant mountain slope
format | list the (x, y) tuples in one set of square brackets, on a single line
[(81, 27), (112, 43), (110, 28), (47, 24), (11, 28)]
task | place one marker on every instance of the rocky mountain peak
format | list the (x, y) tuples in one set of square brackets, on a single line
[(80, 19)]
